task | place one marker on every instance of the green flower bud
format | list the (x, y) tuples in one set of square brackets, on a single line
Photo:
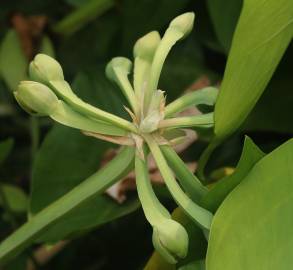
[(44, 69), (121, 63), (170, 239), (36, 98), (183, 23), (146, 46)]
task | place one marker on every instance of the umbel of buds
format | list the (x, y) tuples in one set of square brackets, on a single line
[(154, 128)]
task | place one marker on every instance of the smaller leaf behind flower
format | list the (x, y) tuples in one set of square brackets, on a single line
[(251, 154)]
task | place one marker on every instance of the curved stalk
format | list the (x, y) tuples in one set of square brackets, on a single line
[(46, 70), (153, 209), (93, 186), (177, 30), (187, 179), (38, 99), (68, 117), (117, 70), (126, 87), (200, 215), (206, 96), (201, 120), (169, 237), (63, 90)]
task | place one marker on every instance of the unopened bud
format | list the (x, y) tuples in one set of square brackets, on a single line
[(44, 69), (170, 239), (36, 98), (122, 63), (146, 46), (183, 23)]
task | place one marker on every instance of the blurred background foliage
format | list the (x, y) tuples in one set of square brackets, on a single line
[(40, 161)]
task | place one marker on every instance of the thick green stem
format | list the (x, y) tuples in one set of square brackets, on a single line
[(187, 179), (153, 209), (63, 89), (68, 117), (170, 38), (94, 185), (206, 96), (200, 215), (201, 120), (128, 91)]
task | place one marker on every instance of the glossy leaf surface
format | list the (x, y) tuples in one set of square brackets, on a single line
[(253, 227), (262, 35)]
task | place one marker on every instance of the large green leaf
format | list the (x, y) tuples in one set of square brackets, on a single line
[(253, 227), (262, 35), (224, 15), (251, 154)]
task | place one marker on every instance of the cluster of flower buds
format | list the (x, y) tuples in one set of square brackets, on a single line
[(154, 127)]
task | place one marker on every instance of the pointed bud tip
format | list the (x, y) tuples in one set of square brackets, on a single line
[(45, 68), (146, 46), (35, 98), (123, 63), (183, 23), (171, 240)]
